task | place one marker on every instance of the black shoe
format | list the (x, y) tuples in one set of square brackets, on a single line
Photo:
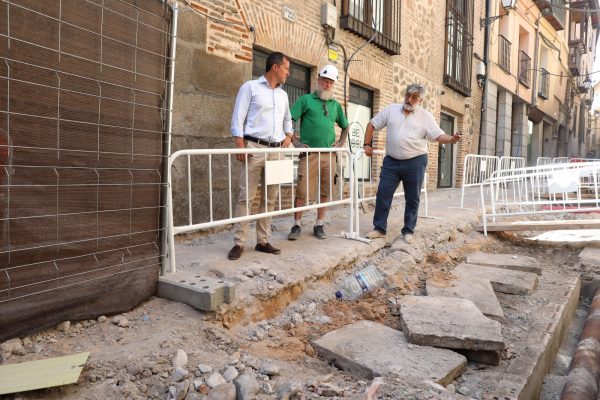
[(267, 248), (295, 232), (235, 252), (319, 232)]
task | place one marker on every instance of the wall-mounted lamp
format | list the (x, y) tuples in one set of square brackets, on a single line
[(480, 74), (587, 83), (506, 4)]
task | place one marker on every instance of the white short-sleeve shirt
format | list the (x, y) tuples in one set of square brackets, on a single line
[(406, 136)]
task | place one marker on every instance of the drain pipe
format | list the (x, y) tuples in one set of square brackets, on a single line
[(166, 223), (484, 100), (583, 378)]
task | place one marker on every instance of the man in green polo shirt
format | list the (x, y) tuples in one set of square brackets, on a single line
[(318, 113)]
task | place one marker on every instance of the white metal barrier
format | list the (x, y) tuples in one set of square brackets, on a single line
[(366, 191), (543, 161), (278, 171), (509, 164), (476, 170), (555, 188), (560, 160)]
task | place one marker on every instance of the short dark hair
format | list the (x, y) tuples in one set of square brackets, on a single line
[(275, 57)]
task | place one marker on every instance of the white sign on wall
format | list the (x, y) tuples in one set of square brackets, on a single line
[(289, 14)]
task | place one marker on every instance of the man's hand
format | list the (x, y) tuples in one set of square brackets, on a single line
[(287, 141), (456, 137), (340, 144), (368, 150), (239, 143)]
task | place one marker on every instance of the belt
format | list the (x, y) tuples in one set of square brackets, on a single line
[(263, 142)]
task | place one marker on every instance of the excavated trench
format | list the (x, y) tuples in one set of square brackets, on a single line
[(521, 367)]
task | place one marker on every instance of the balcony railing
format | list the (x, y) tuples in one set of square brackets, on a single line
[(374, 18), (524, 68), (544, 83), (575, 60), (504, 53), (554, 15)]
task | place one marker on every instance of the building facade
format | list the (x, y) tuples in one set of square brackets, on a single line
[(379, 46), (538, 97)]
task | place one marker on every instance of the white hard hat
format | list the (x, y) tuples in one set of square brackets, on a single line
[(329, 72)]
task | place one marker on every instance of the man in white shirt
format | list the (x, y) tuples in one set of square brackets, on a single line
[(261, 119), (409, 127)]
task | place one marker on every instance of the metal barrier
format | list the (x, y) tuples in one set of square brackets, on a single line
[(510, 163), (476, 170), (221, 189), (560, 160), (366, 191), (543, 161), (555, 188)]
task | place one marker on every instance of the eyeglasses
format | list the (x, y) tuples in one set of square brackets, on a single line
[(325, 110), (415, 96)]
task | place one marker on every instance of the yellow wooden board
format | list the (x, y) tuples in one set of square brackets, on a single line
[(41, 374)]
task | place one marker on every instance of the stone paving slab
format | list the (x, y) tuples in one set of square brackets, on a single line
[(506, 261), (448, 322), (534, 339), (200, 292), (502, 280), (478, 290), (590, 255), (367, 349)]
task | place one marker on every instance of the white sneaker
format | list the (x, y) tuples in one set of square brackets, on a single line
[(409, 238), (375, 234)]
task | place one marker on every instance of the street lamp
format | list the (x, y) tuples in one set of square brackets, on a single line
[(587, 83), (506, 4)]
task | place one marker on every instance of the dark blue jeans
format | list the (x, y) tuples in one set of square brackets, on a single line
[(411, 173)]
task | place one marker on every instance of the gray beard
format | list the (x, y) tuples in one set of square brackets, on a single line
[(408, 107), (325, 94)]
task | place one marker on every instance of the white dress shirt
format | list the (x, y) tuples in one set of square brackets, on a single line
[(261, 112), (406, 135)]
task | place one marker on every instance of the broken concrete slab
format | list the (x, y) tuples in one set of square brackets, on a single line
[(198, 291), (590, 255), (479, 291), (506, 261), (379, 350), (448, 322), (502, 280)]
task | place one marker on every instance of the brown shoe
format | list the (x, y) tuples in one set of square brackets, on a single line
[(267, 248), (235, 252)]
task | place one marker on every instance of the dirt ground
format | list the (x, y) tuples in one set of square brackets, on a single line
[(134, 360)]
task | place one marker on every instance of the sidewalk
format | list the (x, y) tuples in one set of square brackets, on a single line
[(309, 258)]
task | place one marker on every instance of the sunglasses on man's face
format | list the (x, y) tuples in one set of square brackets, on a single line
[(415, 97), (325, 110)]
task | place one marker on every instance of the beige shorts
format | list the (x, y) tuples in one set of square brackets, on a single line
[(327, 171)]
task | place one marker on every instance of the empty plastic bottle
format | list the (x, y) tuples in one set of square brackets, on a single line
[(361, 282)]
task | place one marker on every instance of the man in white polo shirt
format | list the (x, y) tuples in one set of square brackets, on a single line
[(261, 119), (409, 127)]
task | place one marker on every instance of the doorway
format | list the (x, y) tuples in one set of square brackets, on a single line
[(446, 154)]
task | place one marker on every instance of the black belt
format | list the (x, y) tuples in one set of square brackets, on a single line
[(263, 142)]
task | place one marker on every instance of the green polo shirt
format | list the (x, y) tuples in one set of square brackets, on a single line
[(316, 129)]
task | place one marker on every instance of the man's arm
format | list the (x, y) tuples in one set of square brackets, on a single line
[(447, 139), (343, 137), (238, 117), (368, 143)]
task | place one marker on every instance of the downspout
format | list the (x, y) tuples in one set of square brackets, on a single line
[(486, 54), (166, 219), (535, 62)]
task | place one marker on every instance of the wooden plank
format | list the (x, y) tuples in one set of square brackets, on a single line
[(541, 225), (41, 374)]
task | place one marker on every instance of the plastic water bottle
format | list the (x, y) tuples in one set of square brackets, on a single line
[(360, 283)]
